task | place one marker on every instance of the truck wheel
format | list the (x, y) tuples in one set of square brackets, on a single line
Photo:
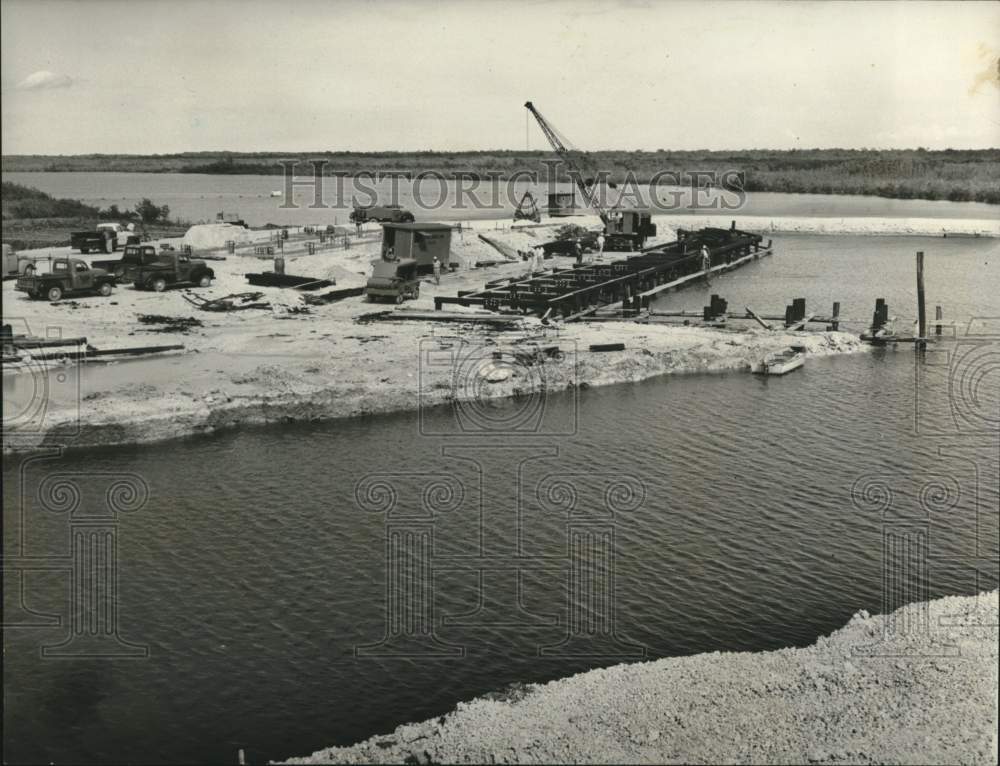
[(204, 280), (399, 297), (105, 289), (54, 293), (158, 285), (84, 250)]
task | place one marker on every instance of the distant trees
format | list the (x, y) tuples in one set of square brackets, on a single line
[(25, 202), (149, 212)]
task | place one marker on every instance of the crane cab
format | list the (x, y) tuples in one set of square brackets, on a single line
[(629, 230)]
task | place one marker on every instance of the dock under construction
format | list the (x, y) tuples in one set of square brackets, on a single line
[(627, 284)]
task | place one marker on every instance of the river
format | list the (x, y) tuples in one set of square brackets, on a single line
[(739, 514), (197, 197)]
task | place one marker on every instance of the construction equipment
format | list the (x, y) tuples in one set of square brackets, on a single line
[(393, 280), (625, 230), (527, 209)]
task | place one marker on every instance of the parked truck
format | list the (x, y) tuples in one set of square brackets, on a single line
[(393, 280), (106, 238), (381, 214), (66, 276), (171, 269), (125, 268)]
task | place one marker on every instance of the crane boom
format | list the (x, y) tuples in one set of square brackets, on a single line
[(589, 193)]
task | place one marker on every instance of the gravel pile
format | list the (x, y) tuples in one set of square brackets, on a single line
[(852, 697)]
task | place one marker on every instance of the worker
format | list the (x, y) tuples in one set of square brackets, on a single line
[(390, 253), (706, 258), (538, 253), (437, 271), (579, 252), (600, 243), (357, 226)]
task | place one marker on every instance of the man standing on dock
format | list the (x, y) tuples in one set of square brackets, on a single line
[(706, 259), (600, 244), (437, 271)]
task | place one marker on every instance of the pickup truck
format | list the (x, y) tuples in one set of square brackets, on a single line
[(125, 268), (381, 213), (107, 238), (172, 269), (68, 276)]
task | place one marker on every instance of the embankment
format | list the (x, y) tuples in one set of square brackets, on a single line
[(339, 370), (852, 697)]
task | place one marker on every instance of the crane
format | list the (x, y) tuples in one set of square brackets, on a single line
[(625, 231), (558, 142)]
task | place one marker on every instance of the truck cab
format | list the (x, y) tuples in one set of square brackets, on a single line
[(132, 258), (171, 268), (121, 233), (393, 280)]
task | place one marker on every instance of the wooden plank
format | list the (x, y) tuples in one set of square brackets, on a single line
[(30, 343), (759, 321), (799, 324)]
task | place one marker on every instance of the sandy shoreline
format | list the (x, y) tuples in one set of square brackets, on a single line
[(263, 366), (852, 697)]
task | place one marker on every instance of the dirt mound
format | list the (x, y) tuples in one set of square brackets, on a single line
[(852, 697)]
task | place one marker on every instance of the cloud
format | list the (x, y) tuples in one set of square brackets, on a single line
[(45, 80), (990, 75)]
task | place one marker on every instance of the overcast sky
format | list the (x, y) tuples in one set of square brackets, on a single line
[(156, 76)]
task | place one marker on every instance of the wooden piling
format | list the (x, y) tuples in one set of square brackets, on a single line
[(937, 316), (878, 317), (799, 308), (921, 309), (835, 316)]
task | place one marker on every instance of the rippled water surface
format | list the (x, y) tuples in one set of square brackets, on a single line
[(739, 513), (199, 197)]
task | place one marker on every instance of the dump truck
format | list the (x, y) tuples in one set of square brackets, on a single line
[(66, 276), (172, 269), (125, 268), (393, 280), (106, 238), (381, 214)]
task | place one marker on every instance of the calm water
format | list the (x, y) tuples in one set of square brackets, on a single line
[(196, 197), (255, 576)]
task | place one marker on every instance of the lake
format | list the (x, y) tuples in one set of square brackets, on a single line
[(679, 515), (196, 197)]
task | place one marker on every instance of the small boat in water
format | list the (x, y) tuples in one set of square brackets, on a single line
[(781, 362)]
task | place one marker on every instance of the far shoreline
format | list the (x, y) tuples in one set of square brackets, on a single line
[(966, 175)]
